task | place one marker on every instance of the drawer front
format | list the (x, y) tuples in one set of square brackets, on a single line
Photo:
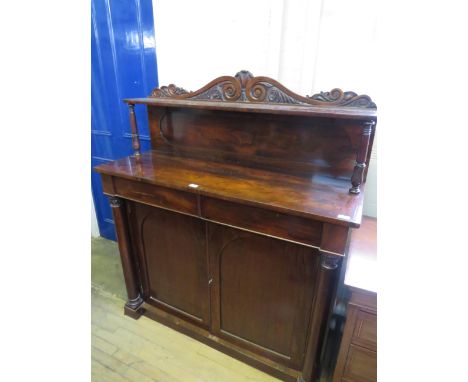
[(361, 365), (158, 196), (256, 219), (365, 330)]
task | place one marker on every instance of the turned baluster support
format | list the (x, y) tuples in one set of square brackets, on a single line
[(134, 127), (331, 251), (358, 174), (329, 267), (132, 307)]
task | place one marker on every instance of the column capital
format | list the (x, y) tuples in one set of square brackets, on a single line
[(328, 261), (115, 201)]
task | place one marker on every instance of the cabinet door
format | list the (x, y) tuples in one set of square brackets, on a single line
[(262, 292), (174, 264)]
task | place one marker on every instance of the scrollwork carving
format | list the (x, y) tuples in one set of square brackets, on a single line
[(244, 87), (228, 90), (262, 91), (338, 96), (243, 77), (168, 91)]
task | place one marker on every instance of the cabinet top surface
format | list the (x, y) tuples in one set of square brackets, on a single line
[(319, 196), (361, 271)]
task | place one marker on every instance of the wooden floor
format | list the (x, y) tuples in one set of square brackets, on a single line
[(142, 350)]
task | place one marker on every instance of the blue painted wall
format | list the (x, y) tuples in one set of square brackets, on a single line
[(123, 65)]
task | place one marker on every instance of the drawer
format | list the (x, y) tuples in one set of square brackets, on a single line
[(361, 365), (157, 196), (293, 228), (365, 330)]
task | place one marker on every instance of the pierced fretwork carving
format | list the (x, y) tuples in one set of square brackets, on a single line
[(244, 87)]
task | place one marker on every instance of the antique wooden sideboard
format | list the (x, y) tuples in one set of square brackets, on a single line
[(233, 227)]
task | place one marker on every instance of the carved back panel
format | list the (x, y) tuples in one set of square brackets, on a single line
[(244, 87), (284, 142)]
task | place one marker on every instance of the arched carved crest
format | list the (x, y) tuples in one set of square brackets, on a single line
[(244, 87)]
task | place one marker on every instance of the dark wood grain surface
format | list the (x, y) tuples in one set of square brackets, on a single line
[(233, 227), (319, 197), (176, 271), (310, 111), (295, 144), (258, 277)]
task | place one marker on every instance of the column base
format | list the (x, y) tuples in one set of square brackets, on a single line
[(133, 308)]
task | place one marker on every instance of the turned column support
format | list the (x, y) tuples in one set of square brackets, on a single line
[(134, 127), (332, 250), (132, 307), (327, 275), (358, 173)]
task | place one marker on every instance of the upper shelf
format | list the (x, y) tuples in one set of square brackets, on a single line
[(246, 93), (308, 111)]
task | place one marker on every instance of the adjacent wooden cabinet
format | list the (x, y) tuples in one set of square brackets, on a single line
[(357, 358), (233, 227)]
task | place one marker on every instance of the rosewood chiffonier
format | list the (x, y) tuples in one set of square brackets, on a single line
[(233, 227)]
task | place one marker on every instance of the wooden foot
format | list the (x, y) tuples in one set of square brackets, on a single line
[(133, 308)]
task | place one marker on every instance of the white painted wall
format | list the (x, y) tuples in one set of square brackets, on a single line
[(308, 45), (94, 223)]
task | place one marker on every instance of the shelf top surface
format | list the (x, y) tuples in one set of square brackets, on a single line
[(302, 110), (319, 196)]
